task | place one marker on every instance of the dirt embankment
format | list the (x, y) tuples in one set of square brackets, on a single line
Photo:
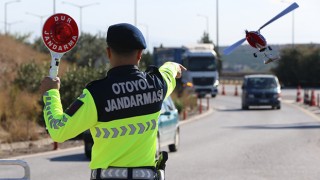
[(19, 110), (12, 54)]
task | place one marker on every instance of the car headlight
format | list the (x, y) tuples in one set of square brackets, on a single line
[(188, 84), (216, 83)]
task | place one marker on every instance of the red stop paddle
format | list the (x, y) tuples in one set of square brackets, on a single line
[(60, 34)]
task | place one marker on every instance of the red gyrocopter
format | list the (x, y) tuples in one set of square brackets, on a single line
[(256, 40)]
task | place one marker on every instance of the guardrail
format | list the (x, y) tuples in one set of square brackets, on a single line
[(16, 162)]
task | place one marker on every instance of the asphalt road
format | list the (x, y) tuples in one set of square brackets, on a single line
[(232, 144), (226, 144)]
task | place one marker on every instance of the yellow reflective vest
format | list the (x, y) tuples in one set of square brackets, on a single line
[(121, 111)]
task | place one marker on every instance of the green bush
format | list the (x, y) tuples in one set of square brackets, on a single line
[(29, 76), (179, 105)]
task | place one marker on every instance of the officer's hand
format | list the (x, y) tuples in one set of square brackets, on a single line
[(180, 69), (48, 83)]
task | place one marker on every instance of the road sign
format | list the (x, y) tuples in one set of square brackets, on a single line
[(60, 33)]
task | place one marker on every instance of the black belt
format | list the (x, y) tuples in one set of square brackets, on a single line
[(120, 173)]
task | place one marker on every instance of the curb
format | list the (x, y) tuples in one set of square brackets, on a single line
[(25, 144), (196, 117)]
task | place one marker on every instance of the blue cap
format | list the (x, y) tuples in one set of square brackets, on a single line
[(125, 36)]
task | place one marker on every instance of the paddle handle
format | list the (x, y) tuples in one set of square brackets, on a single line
[(54, 65)]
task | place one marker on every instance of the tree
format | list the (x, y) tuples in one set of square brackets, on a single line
[(205, 38), (146, 60), (89, 48), (299, 66)]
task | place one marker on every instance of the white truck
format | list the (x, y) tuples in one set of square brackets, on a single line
[(201, 61)]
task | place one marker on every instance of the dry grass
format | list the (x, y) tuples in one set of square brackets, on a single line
[(187, 101), (14, 53), (21, 130), (18, 110), (18, 113)]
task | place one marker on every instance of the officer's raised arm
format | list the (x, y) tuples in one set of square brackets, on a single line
[(170, 71)]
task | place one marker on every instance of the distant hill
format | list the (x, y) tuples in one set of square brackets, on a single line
[(242, 59)]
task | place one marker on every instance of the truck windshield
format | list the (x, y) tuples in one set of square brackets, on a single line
[(201, 64)]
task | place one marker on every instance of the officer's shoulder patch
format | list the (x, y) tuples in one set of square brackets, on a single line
[(74, 107)]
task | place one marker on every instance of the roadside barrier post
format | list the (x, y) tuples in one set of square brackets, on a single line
[(306, 97), (223, 92), (55, 145), (299, 99), (313, 98), (236, 90), (200, 105), (184, 114), (208, 103)]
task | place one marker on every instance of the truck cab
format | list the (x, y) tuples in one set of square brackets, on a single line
[(202, 74)]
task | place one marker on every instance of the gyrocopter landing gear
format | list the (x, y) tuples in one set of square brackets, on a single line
[(270, 58)]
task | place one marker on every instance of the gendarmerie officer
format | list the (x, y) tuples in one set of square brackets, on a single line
[(121, 110)]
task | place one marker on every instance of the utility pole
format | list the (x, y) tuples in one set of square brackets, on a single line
[(135, 12), (217, 26), (5, 14), (54, 6), (80, 8)]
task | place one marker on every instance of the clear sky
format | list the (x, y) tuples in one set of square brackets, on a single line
[(175, 22)]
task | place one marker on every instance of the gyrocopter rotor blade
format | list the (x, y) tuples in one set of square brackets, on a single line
[(284, 12), (229, 49)]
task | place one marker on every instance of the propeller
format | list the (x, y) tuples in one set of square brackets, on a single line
[(229, 49), (284, 12), (293, 6)]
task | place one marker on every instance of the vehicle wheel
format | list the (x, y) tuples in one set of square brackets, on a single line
[(278, 107), (201, 95), (255, 54), (88, 149), (174, 147), (244, 107), (213, 95)]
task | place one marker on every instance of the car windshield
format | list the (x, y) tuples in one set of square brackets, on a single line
[(201, 64), (261, 83)]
